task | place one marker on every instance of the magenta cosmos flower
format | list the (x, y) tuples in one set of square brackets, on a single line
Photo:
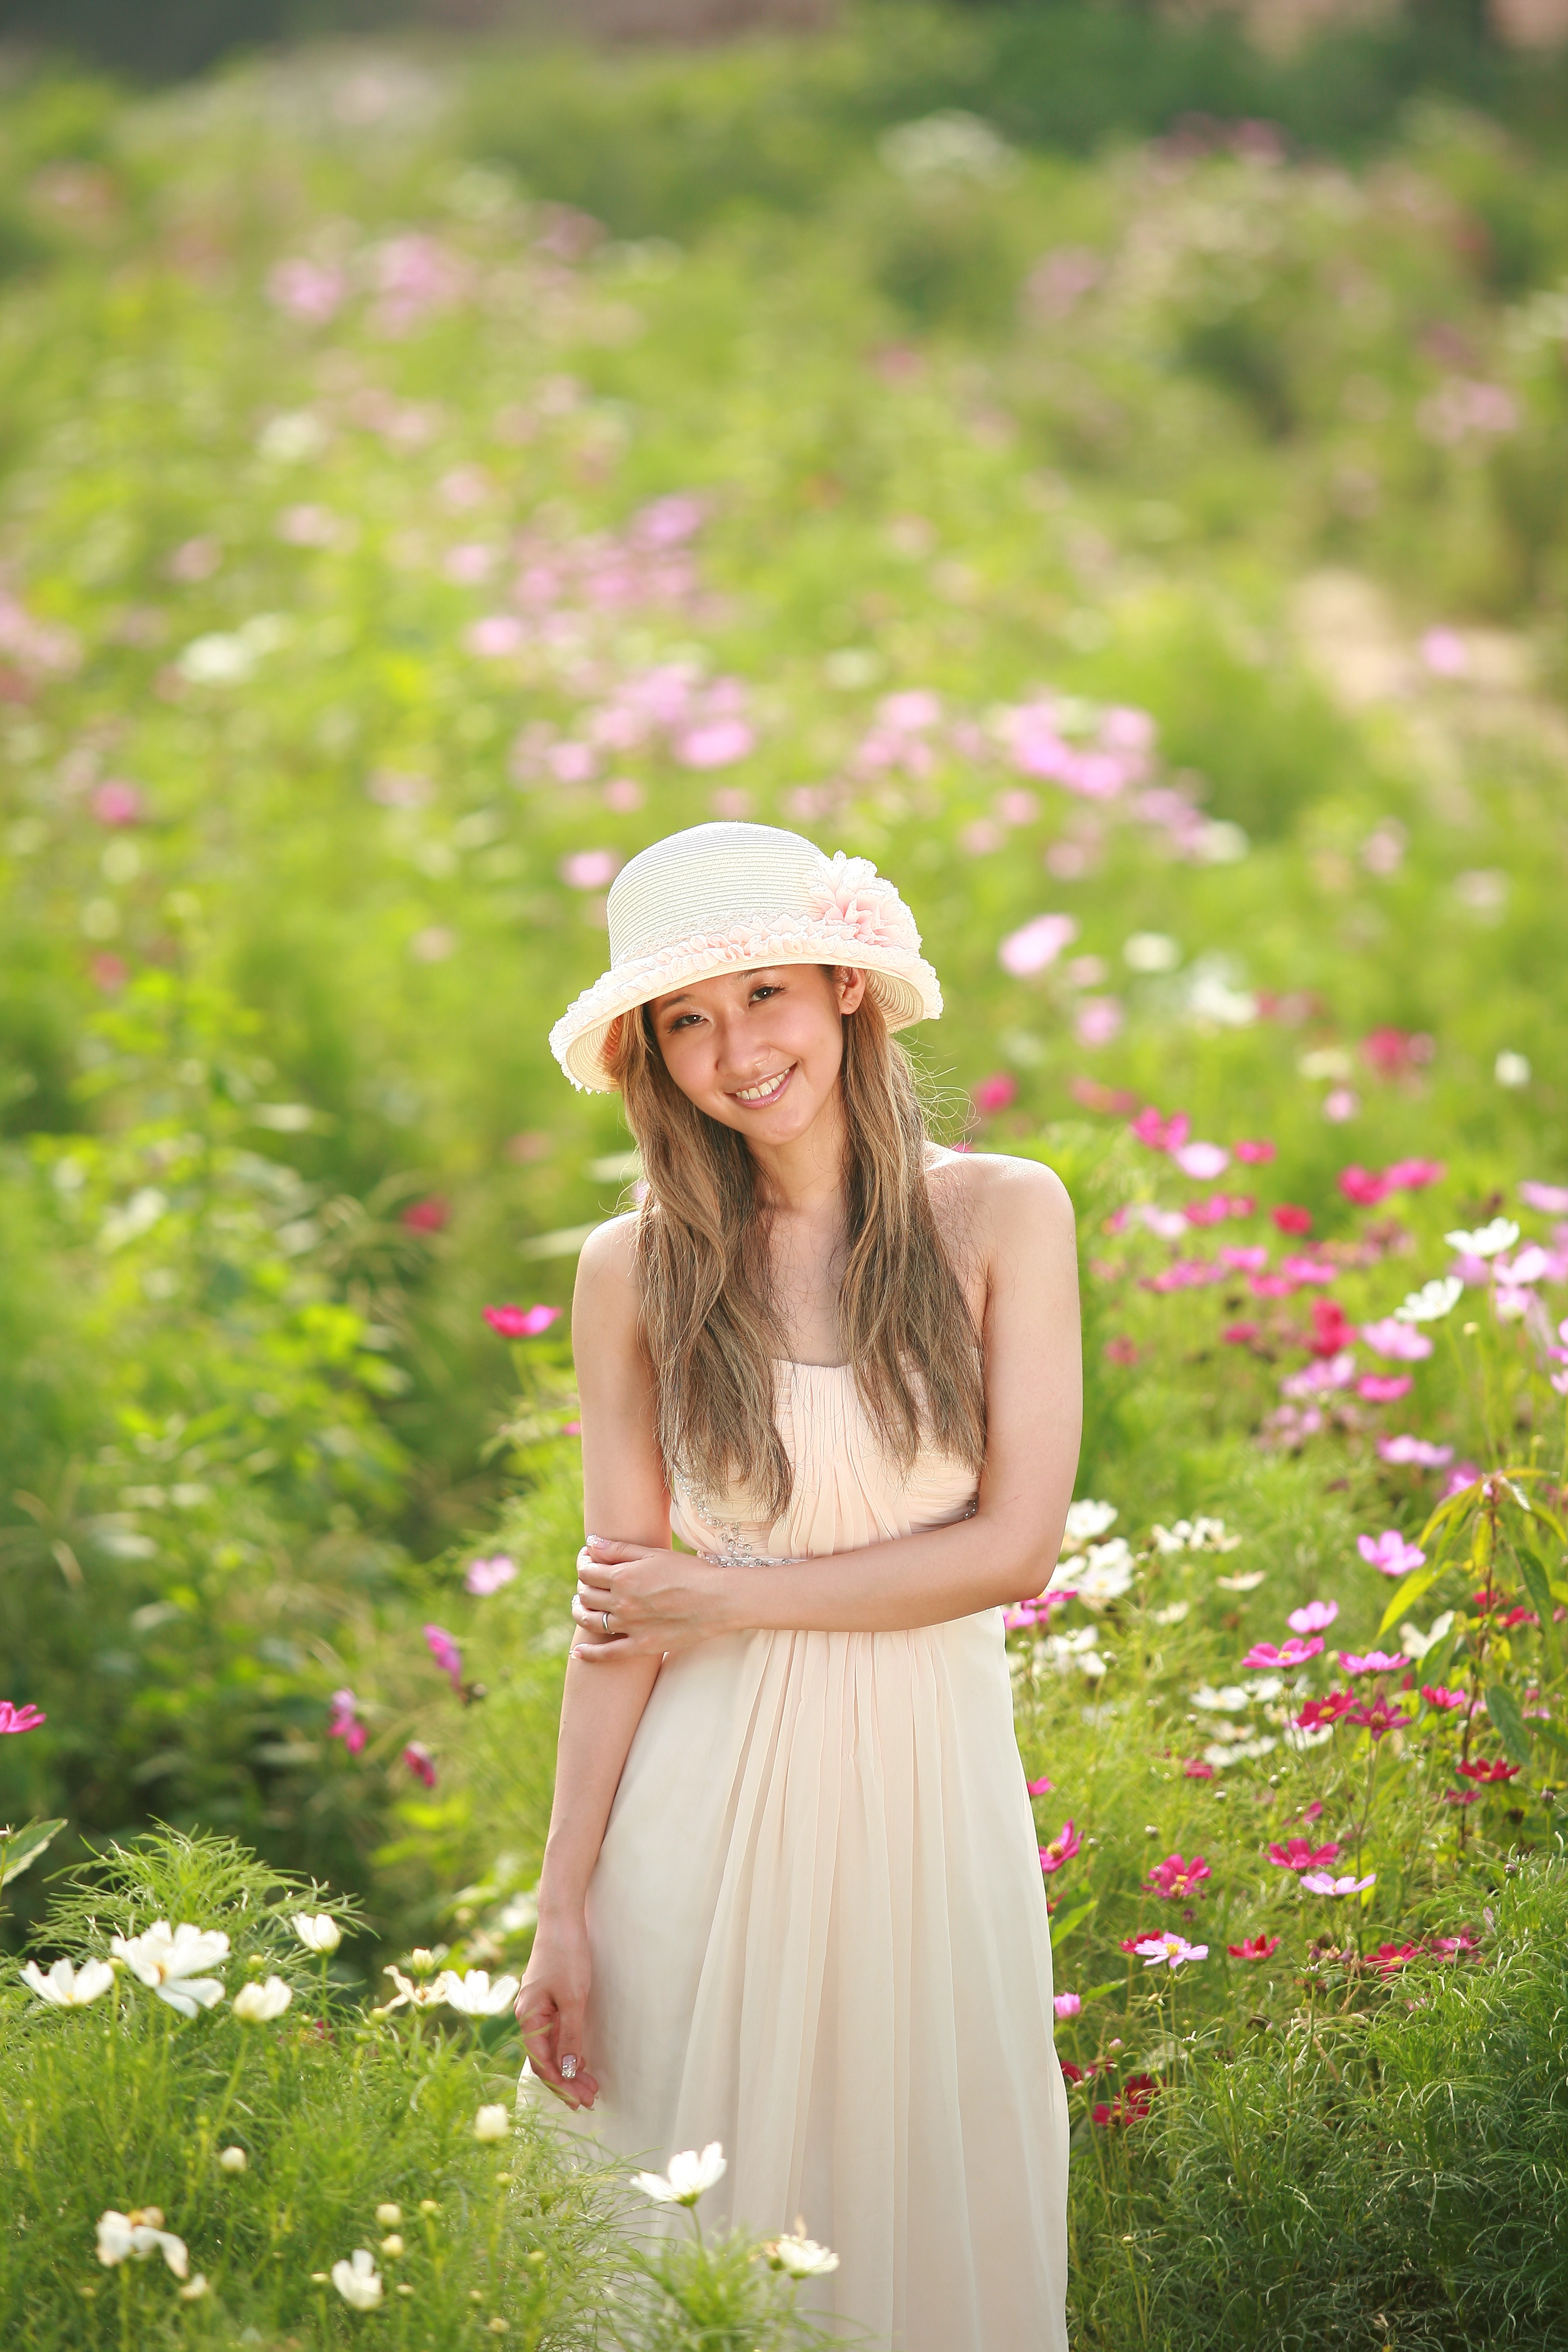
[(1176, 1876), (345, 1723), (521, 1322), (1062, 1848), (20, 1718), (1300, 1853), (447, 1655), (420, 1762), (1293, 1653), (1313, 1617)]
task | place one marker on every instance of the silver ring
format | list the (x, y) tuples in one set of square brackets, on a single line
[(605, 1615)]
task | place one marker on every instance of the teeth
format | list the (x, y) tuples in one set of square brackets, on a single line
[(764, 1087)]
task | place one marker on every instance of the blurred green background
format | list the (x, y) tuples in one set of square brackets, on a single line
[(1095, 463)]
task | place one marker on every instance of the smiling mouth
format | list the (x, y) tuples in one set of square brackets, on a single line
[(766, 1091)]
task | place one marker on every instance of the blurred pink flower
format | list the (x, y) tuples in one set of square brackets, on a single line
[(1201, 1160), (1402, 1341), (1196, 1769), (590, 869), (1040, 1788), (1418, 1450), (1017, 807), (1363, 1186), (995, 1093), (1039, 944), (1098, 1020), (715, 744), (1383, 1388), (1321, 1882), (1067, 2004), (445, 1652), (1462, 1474), (1062, 1848), (1340, 1104), (312, 290), (486, 1576), (1255, 1154), (1445, 653), (345, 1723), (1375, 1662), (420, 1762), (1438, 1695), (118, 803), (521, 1322), (431, 1216), (1552, 1200), (1162, 1134), (910, 712), (1250, 1260), (1313, 1617), (1290, 1219), (1175, 1877), (497, 636), (20, 1718), (1390, 1553)]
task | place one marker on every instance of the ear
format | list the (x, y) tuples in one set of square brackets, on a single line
[(848, 987)]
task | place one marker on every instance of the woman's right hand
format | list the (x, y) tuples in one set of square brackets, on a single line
[(549, 2008)]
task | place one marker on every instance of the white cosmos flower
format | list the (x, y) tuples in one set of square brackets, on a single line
[(65, 1987), (688, 2175), (258, 2004), (1106, 1572), (801, 2256), (166, 1961), (136, 2233), (320, 1933), (1487, 1241), (423, 1996), (1085, 1521), (1433, 1300), (473, 1993), (358, 2281), (492, 2123)]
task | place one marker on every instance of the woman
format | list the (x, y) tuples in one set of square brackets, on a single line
[(790, 1900)]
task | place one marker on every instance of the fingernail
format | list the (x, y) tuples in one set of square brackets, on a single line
[(568, 2069)]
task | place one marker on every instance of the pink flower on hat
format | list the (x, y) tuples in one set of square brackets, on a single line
[(851, 892)]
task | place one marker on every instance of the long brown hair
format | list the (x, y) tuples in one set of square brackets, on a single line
[(709, 1320)]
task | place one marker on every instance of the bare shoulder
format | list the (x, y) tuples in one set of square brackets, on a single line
[(606, 1287), (1010, 1201)]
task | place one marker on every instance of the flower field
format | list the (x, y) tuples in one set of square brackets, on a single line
[(428, 474)]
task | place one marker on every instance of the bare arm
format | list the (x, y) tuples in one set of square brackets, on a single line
[(1005, 1553), (625, 1496)]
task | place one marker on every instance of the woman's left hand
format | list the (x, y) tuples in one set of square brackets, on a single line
[(657, 1602)]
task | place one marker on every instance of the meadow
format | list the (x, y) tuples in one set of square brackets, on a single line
[(431, 473)]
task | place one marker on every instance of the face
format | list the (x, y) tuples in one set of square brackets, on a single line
[(759, 1051)]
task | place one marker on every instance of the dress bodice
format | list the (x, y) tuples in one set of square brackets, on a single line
[(846, 1493)]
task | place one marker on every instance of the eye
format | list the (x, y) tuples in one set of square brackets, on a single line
[(766, 989)]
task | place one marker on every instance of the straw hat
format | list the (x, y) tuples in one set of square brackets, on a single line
[(728, 897)]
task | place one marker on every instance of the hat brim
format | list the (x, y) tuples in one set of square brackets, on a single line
[(903, 984)]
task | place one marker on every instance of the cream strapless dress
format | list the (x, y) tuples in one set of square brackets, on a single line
[(820, 1933)]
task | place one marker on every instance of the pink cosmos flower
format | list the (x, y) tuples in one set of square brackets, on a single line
[(427, 1216), (1196, 1769), (1170, 1951), (1377, 1716), (1340, 1104), (1314, 1617), (520, 1322), (1300, 1854), (445, 1652), (1486, 1769), (345, 1723), (1099, 1019), (420, 1762), (1255, 1154), (1383, 1388), (1203, 1161), (1254, 1947), (1174, 1877), (1417, 1451), (1362, 1186), (1375, 1662), (1552, 1200), (1062, 1848), (1290, 1219), (994, 1094), (1067, 2004), (1402, 1341), (1251, 1260), (1321, 1714), (20, 1718), (1162, 1134), (1462, 1474), (589, 870), (1037, 945), (1389, 1553), (1414, 1175), (1321, 1882), (1041, 1787), (1438, 1695), (1293, 1653), (486, 1576)]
